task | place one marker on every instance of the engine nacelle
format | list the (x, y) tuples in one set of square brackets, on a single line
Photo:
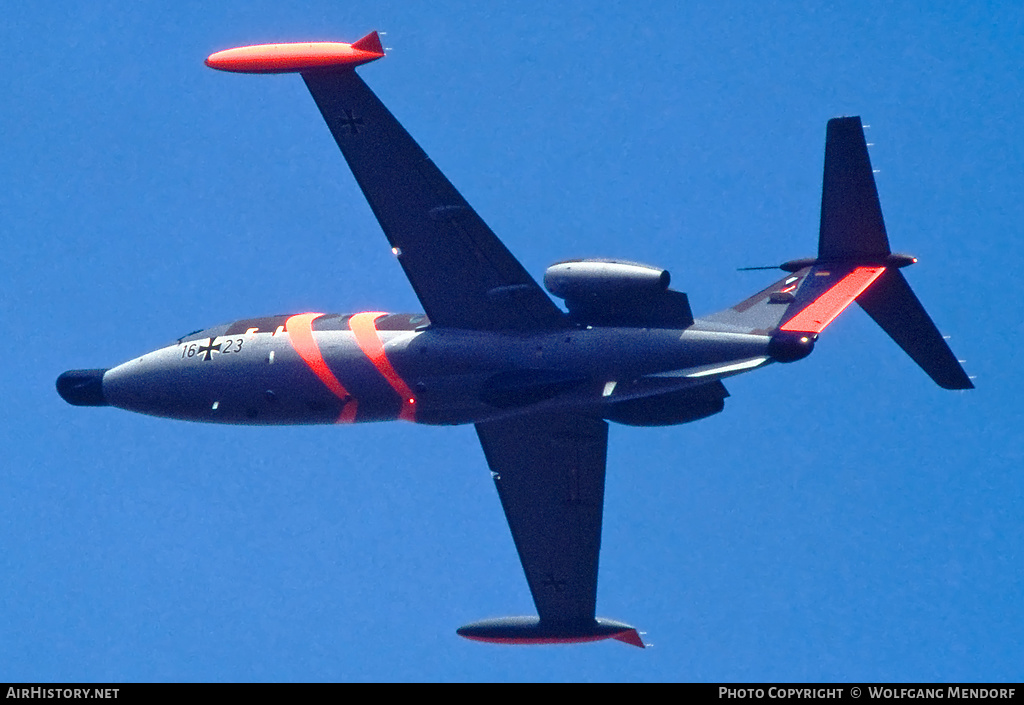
[(669, 409), (583, 279)]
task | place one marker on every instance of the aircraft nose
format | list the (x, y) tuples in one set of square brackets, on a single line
[(154, 384), (82, 387)]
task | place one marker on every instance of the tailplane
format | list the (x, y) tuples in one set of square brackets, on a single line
[(854, 263), (892, 304), (853, 232)]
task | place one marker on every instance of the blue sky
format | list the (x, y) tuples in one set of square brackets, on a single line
[(843, 520)]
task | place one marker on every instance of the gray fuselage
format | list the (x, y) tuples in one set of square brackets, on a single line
[(311, 368)]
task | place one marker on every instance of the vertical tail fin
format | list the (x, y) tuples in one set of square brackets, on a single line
[(853, 232), (854, 263), (852, 228)]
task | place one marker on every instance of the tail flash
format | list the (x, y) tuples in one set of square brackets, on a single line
[(893, 305)]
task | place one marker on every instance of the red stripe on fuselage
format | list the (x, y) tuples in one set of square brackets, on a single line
[(824, 309), (300, 333), (368, 339)]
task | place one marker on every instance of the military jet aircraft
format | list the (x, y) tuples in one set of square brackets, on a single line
[(492, 349)]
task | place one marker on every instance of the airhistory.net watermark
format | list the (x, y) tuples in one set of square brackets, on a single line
[(62, 693)]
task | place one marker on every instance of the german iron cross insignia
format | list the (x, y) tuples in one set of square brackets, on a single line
[(208, 349), (352, 122)]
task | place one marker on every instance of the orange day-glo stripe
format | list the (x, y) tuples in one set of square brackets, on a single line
[(368, 339), (300, 332), (824, 309)]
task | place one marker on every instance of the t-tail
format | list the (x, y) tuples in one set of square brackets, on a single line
[(854, 263)]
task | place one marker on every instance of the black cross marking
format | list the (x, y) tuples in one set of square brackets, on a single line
[(552, 584), (352, 122), (208, 349)]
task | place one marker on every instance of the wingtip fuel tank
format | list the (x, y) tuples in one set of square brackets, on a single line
[(297, 57), (531, 630)]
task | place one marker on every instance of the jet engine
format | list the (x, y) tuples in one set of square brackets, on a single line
[(608, 292), (672, 408), (580, 279)]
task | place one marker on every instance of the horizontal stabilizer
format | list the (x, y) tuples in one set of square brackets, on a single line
[(825, 295), (893, 306), (531, 630)]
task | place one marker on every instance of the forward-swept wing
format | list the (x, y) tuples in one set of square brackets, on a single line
[(548, 468)]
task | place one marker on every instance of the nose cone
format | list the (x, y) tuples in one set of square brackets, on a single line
[(144, 385), (158, 384), (82, 387)]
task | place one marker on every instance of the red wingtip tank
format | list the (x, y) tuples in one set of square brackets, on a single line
[(530, 630), (298, 57)]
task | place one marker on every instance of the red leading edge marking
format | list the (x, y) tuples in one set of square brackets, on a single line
[(824, 309), (364, 327), (300, 332), (303, 56), (627, 636)]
